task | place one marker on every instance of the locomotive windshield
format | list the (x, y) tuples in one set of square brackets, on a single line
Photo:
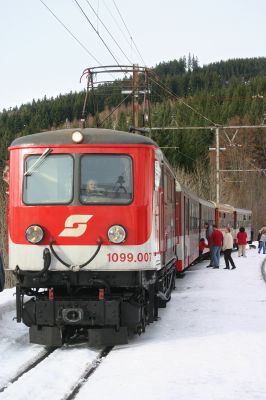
[(106, 179), (48, 182)]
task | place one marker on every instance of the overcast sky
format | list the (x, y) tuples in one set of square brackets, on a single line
[(40, 57)]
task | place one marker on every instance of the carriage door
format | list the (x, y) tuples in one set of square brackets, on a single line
[(186, 230), (163, 194), (159, 212)]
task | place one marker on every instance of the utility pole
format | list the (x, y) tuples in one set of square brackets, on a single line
[(217, 166), (135, 95), (146, 114), (217, 149)]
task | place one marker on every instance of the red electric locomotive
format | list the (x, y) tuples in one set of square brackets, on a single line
[(92, 234)]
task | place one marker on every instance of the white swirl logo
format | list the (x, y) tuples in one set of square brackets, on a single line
[(70, 230)]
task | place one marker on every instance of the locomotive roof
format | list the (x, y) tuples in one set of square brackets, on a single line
[(91, 136)]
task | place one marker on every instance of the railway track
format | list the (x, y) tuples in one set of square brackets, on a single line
[(26, 369), (103, 354), (57, 372), (78, 364)]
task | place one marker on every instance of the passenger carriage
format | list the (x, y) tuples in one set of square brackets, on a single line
[(193, 212)]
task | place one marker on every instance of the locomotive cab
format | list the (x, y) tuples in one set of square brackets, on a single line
[(85, 237)]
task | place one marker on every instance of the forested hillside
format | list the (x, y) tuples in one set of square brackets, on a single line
[(182, 93), (220, 91)]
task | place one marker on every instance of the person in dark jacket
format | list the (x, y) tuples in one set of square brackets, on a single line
[(209, 229), (259, 241), (216, 242), (241, 238)]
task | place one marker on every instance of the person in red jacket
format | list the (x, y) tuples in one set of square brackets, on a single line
[(241, 239), (216, 241)]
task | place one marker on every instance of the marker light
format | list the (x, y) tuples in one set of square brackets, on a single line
[(34, 234), (116, 234), (77, 137)]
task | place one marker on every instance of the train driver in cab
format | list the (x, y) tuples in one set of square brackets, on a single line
[(93, 193), (91, 187)]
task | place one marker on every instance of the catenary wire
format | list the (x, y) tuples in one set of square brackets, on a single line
[(117, 9), (98, 18), (95, 30), (73, 36), (117, 25), (85, 48)]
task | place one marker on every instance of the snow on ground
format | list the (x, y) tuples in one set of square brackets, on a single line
[(209, 344), (15, 349), (54, 378)]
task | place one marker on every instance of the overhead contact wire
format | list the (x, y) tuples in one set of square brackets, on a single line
[(116, 23), (117, 9), (109, 33), (95, 30), (73, 36)]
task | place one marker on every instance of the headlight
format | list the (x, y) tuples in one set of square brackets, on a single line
[(34, 234), (116, 234), (77, 137)]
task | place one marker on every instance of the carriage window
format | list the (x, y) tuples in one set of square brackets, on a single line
[(49, 181), (106, 179)]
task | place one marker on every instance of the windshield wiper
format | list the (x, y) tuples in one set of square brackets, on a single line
[(38, 162)]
